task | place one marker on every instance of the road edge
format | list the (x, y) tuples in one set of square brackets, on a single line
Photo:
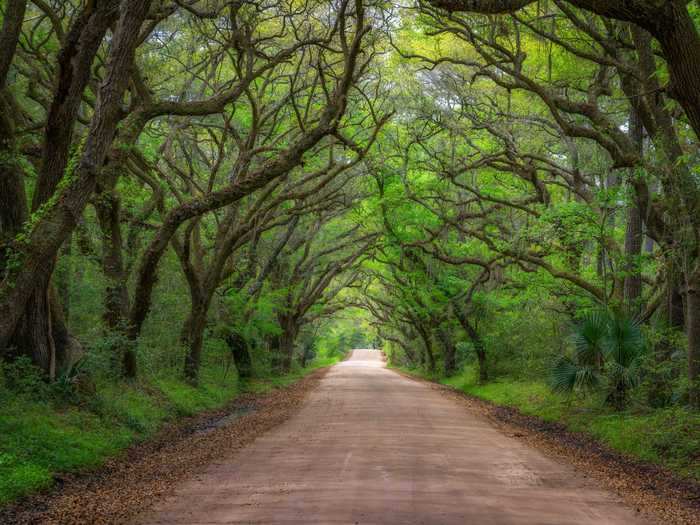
[(132, 482), (655, 492)]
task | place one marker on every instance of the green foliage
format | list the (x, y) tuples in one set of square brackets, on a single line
[(608, 349), (43, 434), (668, 437)]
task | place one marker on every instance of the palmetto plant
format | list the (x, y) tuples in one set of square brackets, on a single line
[(607, 352)]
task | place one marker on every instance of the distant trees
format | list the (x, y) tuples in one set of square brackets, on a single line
[(439, 167), (543, 140), (620, 47), (187, 126)]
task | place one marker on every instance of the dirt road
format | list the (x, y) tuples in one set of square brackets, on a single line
[(370, 446)]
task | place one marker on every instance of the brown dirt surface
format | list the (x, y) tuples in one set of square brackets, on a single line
[(132, 482), (370, 446), (365, 445), (654, 491)]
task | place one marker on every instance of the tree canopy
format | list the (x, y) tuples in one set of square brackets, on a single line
[(455, 180)]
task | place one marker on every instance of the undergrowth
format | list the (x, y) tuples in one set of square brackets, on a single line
[(666, 436), (44, 433)]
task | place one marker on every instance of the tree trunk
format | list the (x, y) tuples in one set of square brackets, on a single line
[(672, 314), (480, 350), (193, 340), (680, 43), (693, 331), (38, 252), (449, 353), (633, 232), (305, 354), (287, 339), (428, 349), (116, 298), (273, 348), (674, 309), (478, 342), (41, 331), (13, 199), (241, 354), (9, 35), (42, 334), (64, 276)]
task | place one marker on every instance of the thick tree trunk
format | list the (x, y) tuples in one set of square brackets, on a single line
[(273, 348), (287, 340), (305, 354), (9, 35), (680, 43), (193, 340), (116, 298), (64, 276), (672, 314), (41, 331), (38, 252), (34, 335), (480, 350), (674, 309), (633, 252), (449, 353), (74, 72), (241, 354), (13, 200)]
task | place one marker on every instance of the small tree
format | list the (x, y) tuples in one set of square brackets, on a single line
[(608, 348)]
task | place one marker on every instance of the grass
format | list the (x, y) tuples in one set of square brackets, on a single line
[(40, 437), (665, 436), (266, 383)]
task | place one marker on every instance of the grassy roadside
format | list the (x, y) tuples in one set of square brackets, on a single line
[(41, 436), (668, 436)]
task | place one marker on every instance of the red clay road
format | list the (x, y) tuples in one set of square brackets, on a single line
[(370, 446)]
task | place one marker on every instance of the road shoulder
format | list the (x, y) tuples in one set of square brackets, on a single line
[(653, 491), (132, 482)]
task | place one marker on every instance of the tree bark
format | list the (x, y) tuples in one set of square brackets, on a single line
[(449, 353), (479, 347), (680, 43), (37, 252), (480, 350), (287, 340), (633, 232), (116, 295), (669, 22), (9, 36), (241, 354), (41, 332), (428, 349), (13, 199), (193, 340), (693, 331)]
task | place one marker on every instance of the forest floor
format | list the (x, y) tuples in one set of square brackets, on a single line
[(133, 480), (372, 446), (359, 443)]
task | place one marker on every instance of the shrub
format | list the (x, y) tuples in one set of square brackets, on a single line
[(607, 353)]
